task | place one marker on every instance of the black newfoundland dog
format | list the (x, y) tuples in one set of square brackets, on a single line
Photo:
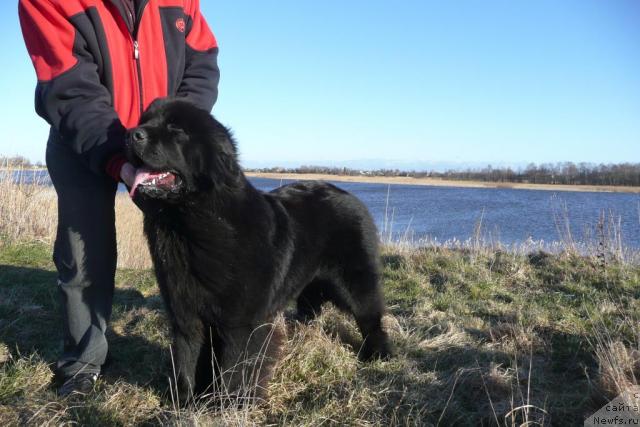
[(229, 257)]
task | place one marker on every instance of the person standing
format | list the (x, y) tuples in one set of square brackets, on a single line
[(99, 65)]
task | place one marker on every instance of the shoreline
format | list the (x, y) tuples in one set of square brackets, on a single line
[(429, 182), (438, 182)]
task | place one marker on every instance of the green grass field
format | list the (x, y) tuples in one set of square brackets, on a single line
[(482, 337)]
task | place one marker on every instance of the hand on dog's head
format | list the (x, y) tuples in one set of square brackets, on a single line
[(180, 150)]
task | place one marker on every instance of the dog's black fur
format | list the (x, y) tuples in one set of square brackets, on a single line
[(228, 257)]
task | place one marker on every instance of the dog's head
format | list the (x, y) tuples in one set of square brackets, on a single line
[(180, 149)]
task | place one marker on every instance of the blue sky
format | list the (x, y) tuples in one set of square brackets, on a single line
[(411, 81)]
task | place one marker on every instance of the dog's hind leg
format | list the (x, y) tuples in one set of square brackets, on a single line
[(360, 292), (376, 342), (310, 300), (354, 290)]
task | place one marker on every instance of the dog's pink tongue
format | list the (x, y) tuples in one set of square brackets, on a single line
[(142, 175)]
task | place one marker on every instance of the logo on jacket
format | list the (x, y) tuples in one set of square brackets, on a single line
[(180, 25)]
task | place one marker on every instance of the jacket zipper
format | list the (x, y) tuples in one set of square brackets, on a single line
[(135, 19), (137, 71), (136, 57), (142, 5)]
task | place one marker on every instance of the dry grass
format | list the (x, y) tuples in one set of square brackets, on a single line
[(26, 211), (133, 251), (482, 337), (29, 212), (619, 367)]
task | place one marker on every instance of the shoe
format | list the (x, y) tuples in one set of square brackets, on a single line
[(81, 383)]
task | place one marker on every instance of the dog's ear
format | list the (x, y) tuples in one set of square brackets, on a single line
[(155, 105), (226, 158), (220, 167)]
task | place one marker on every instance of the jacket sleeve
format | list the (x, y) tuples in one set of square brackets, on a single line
[(69, 94), (201, 75)]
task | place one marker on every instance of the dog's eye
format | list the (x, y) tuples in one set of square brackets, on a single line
[(172, 127)]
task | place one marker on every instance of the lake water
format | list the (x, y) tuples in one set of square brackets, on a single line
[(510, 216)]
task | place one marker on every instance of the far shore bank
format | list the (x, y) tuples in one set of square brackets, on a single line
[(438, 182)]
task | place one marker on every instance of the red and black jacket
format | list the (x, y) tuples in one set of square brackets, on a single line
[(99, 67)]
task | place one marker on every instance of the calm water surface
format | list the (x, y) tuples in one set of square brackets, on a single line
[(510, 216)]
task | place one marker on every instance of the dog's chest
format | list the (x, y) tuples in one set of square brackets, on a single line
[(168, 250), (196, 254)]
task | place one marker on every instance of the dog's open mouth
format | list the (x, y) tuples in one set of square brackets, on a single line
[(148, 181)]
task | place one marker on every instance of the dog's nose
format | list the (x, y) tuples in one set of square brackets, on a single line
[(139, 135)]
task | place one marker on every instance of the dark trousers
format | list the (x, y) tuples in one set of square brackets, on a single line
[(85, 257)]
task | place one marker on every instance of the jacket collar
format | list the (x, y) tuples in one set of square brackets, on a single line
[(131, 21)]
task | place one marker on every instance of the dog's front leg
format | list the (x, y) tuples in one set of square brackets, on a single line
[(248, 356), (185, 353)]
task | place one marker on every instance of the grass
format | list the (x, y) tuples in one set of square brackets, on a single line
[(478, 338), (482, 337)]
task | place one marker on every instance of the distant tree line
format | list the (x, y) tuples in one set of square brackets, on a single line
[(567, 173), (18, 162)]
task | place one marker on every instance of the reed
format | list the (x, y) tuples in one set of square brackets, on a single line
[(29, 212)]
